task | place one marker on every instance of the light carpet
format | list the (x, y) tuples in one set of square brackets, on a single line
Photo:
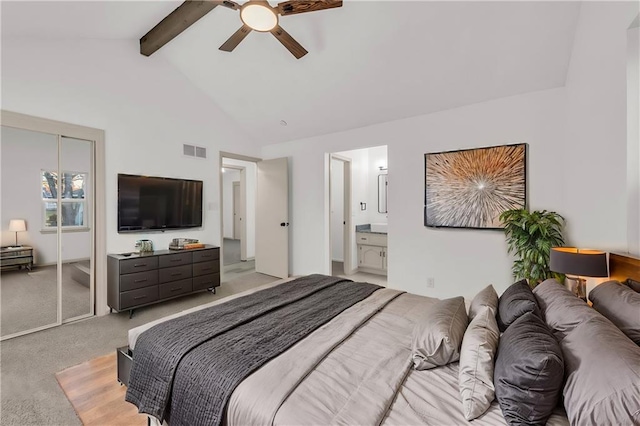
[(30, 394), (29, 298)]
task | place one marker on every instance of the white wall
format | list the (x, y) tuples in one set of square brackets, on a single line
[(146, 107), (248, 193), (25, 155), (228, 178), (576, 166), (337, 210), (461, 261), (633, 139), (377, 158), (595, 149)]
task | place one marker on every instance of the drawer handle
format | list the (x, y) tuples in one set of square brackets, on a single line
[(175, 274), (206, 269), (140, 297), (176, 289), (176, 260), (140, 281), (205, 255), (139, 265)]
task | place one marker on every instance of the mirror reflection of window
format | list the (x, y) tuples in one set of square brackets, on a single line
[(382, 193)]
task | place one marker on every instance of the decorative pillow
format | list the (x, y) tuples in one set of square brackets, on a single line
[(437, 338), (485, 297), (561, 309), (529, 372), (620, 305), (602, 365), (516, 301), (477, 357), (603, 375), (633, 285)]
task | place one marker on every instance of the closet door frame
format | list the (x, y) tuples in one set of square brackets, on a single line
[(98, 302)]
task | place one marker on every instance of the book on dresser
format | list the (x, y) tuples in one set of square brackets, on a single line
[(140, 279)]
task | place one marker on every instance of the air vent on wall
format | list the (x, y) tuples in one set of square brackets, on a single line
[(194, 151)]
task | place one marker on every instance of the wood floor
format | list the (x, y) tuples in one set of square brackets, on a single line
[(96, 394)]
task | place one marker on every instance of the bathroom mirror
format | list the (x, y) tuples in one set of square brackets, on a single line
[(382, 193)]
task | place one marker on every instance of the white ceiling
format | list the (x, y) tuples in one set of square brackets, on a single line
[(368, 62)]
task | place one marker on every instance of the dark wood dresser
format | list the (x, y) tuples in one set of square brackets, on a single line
[(146, 278)]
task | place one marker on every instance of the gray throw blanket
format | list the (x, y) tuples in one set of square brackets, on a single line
[(184, 370)]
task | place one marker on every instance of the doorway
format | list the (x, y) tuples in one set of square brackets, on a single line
[(239, 213), (357, 207), (255, 221)]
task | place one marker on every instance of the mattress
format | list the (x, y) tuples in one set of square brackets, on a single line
[(356, 369)]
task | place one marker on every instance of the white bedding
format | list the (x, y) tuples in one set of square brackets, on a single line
[(354, 370)]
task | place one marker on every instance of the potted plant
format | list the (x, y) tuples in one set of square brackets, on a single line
[(530, 236)]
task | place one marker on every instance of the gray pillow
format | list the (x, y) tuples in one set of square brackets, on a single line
[(438, 336), (602, 367), (477, 357), (485, 297), (529, 372), (516, 301), (633, 285), (561, 309), (620, 305)]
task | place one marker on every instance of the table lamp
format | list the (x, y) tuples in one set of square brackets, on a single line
[(17, 225), (577, 263)]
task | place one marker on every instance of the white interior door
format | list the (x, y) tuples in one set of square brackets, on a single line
[(272, 219), (237, 218)]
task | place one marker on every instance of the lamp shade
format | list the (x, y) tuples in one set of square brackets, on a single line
[(581, 262), (17, 225)]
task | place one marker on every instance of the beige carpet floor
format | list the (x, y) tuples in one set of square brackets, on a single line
[(30, 394), (29, 298)]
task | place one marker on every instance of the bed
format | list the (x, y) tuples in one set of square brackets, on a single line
[(355, 368)]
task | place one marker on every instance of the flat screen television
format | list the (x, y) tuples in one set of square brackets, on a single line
[(148, 203)]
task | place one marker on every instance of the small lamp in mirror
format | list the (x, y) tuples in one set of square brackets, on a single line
[(17, 225)]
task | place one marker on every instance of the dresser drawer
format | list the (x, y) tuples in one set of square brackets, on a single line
[(206, 255), (205, 281), (205, 268), (138, 265), (138, 297), (175, 259), (175, 288), (138, 280), (174, 274)]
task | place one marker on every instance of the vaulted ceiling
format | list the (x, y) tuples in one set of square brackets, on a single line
[(368, 62)]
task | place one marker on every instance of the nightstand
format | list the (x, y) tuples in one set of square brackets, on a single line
[(16, 256)]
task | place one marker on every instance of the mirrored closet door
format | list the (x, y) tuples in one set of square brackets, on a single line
[(47, 273)]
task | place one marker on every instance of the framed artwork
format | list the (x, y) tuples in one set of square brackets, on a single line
[(470, 188)]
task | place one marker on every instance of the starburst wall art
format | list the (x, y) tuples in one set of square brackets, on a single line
[(471, 188)]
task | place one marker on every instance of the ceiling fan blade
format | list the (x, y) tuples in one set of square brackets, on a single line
[(287, 41), (230, 4), (302, 6), (235, 39), (179, 20)]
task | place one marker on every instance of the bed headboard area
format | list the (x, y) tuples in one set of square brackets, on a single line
[(622, 267)]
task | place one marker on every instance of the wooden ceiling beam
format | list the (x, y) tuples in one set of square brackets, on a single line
[(175, 23)]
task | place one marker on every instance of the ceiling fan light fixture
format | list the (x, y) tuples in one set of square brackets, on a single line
[(258, 16)]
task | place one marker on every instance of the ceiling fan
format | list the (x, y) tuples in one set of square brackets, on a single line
[(256, 15)]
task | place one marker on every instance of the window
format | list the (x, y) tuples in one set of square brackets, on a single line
[(73, 199)]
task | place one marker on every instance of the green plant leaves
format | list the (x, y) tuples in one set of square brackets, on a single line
[(530, 237)]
